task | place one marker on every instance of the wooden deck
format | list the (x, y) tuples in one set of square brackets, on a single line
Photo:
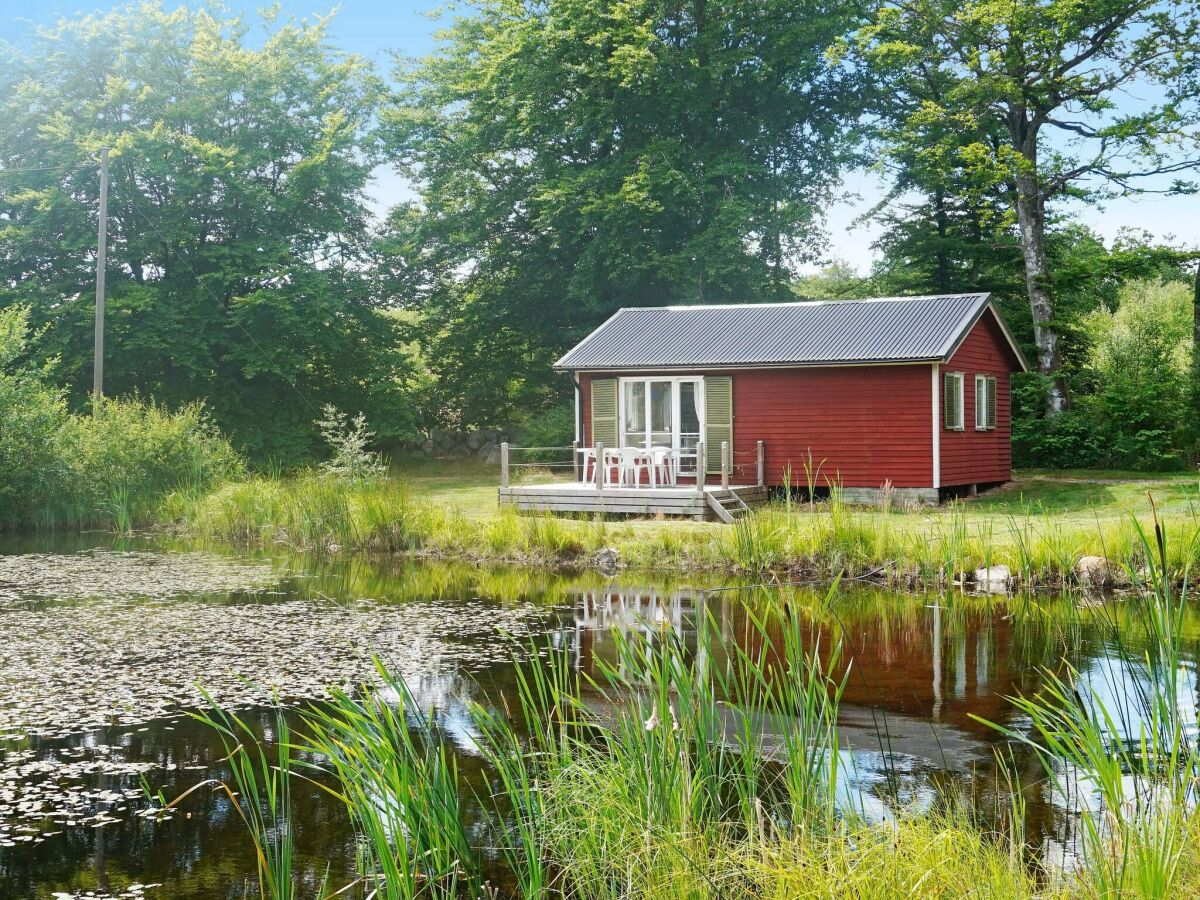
[(715, 503)]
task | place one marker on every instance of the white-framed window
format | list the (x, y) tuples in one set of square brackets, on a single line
[(985, 402), (663, 412), (952, 401)]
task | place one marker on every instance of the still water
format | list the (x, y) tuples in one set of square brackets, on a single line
[(102, 647)]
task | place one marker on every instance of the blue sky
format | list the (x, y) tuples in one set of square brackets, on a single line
[(373, 28)]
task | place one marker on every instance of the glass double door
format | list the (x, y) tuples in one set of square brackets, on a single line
[(663, 412)]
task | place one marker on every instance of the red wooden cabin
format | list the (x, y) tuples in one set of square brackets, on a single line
[(904, 394)]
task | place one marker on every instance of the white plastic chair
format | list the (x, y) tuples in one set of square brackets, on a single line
[(664, 464), (588, 456), (613, 470), (633, 462)]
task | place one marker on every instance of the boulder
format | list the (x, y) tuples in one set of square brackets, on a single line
[(993, 578), (607, 560), (475, 440), (493, 455), (487, 450), (1093, 571)]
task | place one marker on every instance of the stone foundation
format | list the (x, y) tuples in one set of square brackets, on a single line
[(864, 496)]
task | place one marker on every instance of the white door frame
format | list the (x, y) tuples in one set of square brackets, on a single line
[(675, 381)]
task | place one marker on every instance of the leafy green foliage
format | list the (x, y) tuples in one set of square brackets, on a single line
[(554, 427), (1132, 410), (1141, 361), (349, 439), (237, 268), (57, 468), (576, 156), (32, 416), (993, 110), (143, 451)]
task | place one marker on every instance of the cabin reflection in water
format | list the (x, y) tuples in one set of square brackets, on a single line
[(919, 670)]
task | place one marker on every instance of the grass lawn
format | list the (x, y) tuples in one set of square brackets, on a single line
[(1072, 495), (466, 485), (1085, 494)]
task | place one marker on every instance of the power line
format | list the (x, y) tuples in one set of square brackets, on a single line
[(6, 170)]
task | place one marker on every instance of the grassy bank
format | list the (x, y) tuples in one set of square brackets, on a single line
[(1039, 527), (665, 775)]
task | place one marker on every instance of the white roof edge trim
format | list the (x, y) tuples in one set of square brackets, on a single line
[(733, 366), (953, 345), (687, 306)]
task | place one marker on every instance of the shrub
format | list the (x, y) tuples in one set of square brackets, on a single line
[(553, 427), (132, 453), (348, 439), (1069, 440), (1140, 363), (112, 467), (32, 415), (1132, 395)]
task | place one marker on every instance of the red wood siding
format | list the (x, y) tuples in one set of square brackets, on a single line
[(970, 456), (869, 424)]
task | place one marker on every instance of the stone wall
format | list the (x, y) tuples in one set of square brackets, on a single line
[(483, 444)]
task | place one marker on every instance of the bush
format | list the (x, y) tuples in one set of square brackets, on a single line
[(110, 468), (1132, 398), (1140, 364), (553, 427), (32, 415), (1069, 440), (121, 461)]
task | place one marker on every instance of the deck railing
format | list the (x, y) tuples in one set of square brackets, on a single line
[(577, 472)]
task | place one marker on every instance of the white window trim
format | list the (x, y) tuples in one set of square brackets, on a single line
[(981, 402), (962, 413), (675, 382)]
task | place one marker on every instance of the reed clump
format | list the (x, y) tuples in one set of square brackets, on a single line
[(665, 775), (1124, 754), (825, 539)]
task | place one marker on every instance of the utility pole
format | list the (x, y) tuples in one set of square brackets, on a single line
[(101, 254)]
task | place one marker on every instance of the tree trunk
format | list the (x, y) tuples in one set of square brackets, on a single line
[(941, 274), (1031, 219)]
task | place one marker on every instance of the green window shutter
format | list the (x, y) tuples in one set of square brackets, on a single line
[(604, 412), (718, 420), (952, 401), (991, 402)]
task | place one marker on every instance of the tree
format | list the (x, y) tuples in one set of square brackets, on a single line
[(238, 233), (838, 280), (1045, 76), (1195, 353), (575, 156), (1140, 360)]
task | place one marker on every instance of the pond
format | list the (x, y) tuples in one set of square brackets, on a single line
[(105, 646)]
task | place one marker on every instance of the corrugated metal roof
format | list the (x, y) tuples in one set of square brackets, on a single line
[(885, 329)]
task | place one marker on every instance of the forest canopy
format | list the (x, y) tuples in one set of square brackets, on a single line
[(573, 156)]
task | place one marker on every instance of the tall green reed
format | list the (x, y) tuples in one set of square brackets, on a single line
[(401, 787), (1128, 763), (259, 788)]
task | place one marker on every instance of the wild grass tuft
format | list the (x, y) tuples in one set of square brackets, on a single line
[(401, 787), (1126, 760)]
